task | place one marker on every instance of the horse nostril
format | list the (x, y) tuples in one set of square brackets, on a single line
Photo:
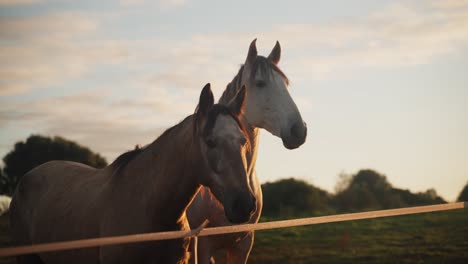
[(296, 137), (297, 130)]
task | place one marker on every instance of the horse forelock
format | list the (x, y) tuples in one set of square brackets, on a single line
[(212, 117), (260, 64), (267, 68)]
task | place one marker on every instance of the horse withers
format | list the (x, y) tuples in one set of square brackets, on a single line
[(144, 190), (269, 106)]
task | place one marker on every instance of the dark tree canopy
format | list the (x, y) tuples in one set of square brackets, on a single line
[(370, 190), (366, 190), (39, 149), (463, 196), (294, 198)]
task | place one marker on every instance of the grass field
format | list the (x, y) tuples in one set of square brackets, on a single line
[(426, 238)]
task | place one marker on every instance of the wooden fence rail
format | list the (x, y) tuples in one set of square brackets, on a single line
[(201, 231)]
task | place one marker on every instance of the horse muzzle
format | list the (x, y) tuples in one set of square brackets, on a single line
[(241, 209), (295, 136)]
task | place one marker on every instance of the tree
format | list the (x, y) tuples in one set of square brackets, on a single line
[(463, 197), (344, 180), (366, 190), (370, 190), (293, 198), (39, 149)]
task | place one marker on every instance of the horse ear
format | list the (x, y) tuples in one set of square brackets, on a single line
[(275, 53), (206, 99), (237, 105), (252, 54)]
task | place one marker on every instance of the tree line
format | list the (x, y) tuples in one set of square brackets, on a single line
[(365, 190)]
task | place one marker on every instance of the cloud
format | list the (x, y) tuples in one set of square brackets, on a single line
[(452, 5), (18, 2), (171, 3), (165, 4), (12, 88), (106, 137), (50, 49), (402, 34), (154, 82), (108, 126), (132, 2), (43, 27)]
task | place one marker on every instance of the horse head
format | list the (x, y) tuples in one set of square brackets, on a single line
[(269, 104), (223, 142)]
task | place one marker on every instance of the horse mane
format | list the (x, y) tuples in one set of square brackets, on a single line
[(261, 63), (121, 161)]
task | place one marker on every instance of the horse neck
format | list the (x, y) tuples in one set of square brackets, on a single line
[(165, 175), (253, 132)]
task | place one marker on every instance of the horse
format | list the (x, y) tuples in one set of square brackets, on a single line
[(269, 106), (144, 190)]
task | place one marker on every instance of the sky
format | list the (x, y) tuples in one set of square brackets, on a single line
[(381, 84)]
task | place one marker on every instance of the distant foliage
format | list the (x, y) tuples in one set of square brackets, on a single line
[(366, 190), (463, 197), (344, 180), (370, 190), (39, 149), (294, 198), (363, 191)]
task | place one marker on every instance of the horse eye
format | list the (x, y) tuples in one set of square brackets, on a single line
[(260, 83), (210, 143)]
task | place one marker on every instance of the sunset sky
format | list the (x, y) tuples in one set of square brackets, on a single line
[(381, 84)]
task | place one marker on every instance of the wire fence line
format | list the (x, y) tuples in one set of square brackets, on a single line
[(202, 231)]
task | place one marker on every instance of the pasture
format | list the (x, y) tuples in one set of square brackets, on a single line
[(439, 237), (426, 238)]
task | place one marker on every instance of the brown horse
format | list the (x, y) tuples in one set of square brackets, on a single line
[(268, 106), (144, 190)]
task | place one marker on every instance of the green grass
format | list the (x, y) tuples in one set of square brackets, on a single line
[(440, 237)]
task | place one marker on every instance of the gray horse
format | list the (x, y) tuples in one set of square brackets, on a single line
[(268, 106)]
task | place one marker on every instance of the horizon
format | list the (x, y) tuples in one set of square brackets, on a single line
[(307, 181), (381, 84)]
